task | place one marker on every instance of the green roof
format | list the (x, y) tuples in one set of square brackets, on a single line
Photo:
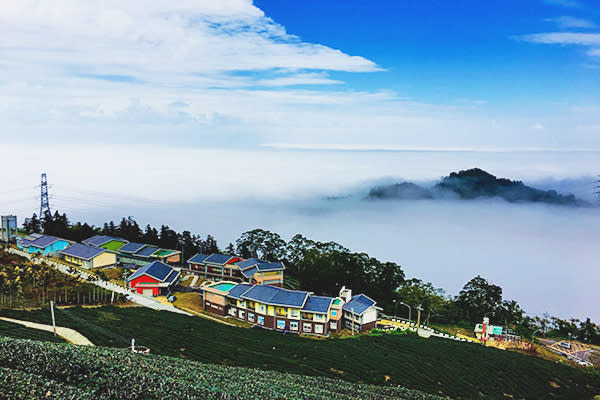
[(163, 252), (113, 245)]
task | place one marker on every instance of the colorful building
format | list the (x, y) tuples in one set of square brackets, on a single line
[(106, 242), (154, 279), (43, 244), (252, 270), (279, 309), (88, 256), (360, 311), (138, 254)]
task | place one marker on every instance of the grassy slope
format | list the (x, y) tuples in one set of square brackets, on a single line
[(438, 366), (19, 331), (32, 368)]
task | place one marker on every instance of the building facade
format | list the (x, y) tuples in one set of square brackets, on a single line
[(154, 279), (136, 254), (42, 244), (279, 309), (88, 256), (225, 267)]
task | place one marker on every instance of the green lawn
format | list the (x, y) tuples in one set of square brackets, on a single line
[(456, 369), (19, 331)]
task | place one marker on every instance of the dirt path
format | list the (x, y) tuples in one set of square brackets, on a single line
[(70, 335)]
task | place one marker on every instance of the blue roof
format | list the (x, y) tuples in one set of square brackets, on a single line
[(146, 251), (40, 241), (157, 270), (82, 251), (131, 247), (276, 296), (99, 240), (249, 272), (270, 266), (198, 258), (358, 304), (251, 262), (239, 290), (318, 304), (251, 265), (218, 259)]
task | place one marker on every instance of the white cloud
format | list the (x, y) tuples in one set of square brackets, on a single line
[(576, 38), (594, 52), (566, 22), (564, 3)]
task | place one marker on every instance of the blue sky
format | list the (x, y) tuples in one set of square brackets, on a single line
[(353, 74), (441, 52)]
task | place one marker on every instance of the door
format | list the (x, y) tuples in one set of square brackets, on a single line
[(147, 292)]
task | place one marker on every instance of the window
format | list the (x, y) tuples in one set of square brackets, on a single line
[(241, 314), (281, 324), (318, 328), (232, 312), (293, 325), (294, 314), (261, 320), (306, 327), (261, 308), (334, 313), (251, 317), (319, 317), (332, 325)]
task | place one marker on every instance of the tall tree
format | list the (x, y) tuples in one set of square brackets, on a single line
[(477, 298)]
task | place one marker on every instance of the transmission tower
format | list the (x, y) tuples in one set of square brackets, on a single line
[(44, 203)]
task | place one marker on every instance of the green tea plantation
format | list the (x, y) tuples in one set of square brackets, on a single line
[(437, 366), (33, 369)]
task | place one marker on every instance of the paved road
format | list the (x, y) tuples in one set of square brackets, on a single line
[(136, 298), (70, 335)]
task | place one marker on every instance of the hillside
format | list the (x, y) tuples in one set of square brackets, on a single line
[(472, 184), (32, 369), (455, 369)]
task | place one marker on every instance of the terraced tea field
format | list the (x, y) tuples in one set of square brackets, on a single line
[(37, 370), (456, 369)]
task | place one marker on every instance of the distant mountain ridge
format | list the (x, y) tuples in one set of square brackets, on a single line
[(472, 184)]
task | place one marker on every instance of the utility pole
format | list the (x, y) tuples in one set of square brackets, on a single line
[(409, 312), (44, 203), (419, 309), (52, 314)]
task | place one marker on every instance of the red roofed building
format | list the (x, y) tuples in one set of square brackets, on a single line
[(154, 279)]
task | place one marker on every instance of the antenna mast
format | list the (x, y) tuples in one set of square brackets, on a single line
[(44, 203)]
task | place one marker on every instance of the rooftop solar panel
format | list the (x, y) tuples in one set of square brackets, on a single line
[(270, 266), (82, 251), (358, 304), (45, 240), (218, 259), (276, 296), (249, 272), (131, 247), (156, 269), (146, 251), (198, 258), (239, 290), (318, 304)]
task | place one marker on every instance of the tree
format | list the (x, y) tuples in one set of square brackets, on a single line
[(415, 292), (259, 243), (230, 250), (33, 224), (477, 298)]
